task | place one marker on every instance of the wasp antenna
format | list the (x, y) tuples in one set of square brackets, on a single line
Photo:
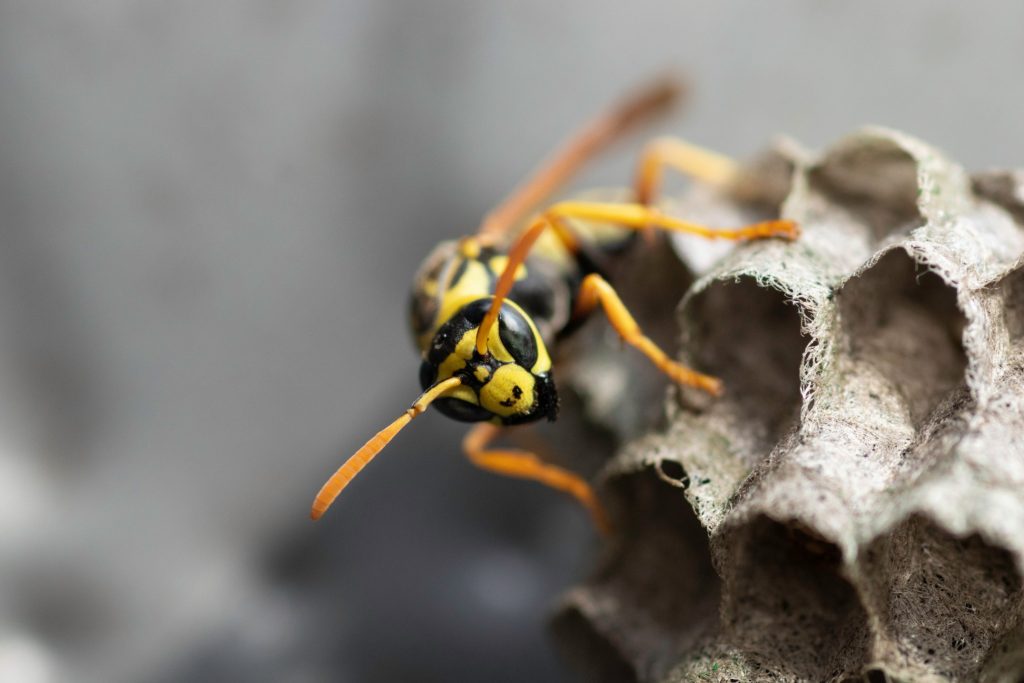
[(593, 138), (361, 458)]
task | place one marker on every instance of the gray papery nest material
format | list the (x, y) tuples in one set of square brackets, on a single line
[(853, 507)]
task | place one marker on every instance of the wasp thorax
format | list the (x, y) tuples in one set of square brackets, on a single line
[(509, 384)]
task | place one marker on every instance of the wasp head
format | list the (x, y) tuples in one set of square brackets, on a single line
[(510, 384)]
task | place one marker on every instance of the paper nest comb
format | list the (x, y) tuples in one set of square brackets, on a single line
[(853, 507)]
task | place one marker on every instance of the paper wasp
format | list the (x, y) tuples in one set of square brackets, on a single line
[(486, 308)]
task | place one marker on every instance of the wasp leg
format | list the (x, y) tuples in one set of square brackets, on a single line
[(526, 465), (587, 143), (694, 161), (635, 216), (596, 290)]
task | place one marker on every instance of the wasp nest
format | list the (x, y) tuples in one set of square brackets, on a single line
[(853, 507)]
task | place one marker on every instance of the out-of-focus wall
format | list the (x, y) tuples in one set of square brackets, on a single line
[(210, 215)]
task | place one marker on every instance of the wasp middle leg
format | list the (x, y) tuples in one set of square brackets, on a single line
[(596, 290)]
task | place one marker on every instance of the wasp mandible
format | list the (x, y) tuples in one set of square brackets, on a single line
[(485, 309)]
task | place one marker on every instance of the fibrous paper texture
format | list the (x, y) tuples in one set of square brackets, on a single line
[(853, 507)]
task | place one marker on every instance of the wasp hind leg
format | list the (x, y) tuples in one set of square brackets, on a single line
[(526, 465), (696, 162), (596, 290)]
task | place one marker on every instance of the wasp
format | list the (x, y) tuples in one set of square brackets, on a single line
[(486, 309)]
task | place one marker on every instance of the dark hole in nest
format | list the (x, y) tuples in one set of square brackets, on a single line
[(587, 651), (660, 576), (876, 181), (876, 676), (765, 183), (903, 322), (1000, 187), (791, 578), (749, 337), (924, 573), (675, 471), (660, 529)]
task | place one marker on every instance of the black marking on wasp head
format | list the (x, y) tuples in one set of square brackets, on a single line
[(510, 385)]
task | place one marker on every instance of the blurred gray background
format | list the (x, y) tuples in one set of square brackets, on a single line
[(210, 216)]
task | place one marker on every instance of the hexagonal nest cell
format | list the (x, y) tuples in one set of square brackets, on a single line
[(749, 337), (900, 325), (852, 507)]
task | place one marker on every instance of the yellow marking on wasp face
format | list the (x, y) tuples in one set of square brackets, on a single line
[(498, 263), (429, 287), (463, 393), (449, 366), (457, 359), (482, 372), (475, 283), (495, 346), (509, 392), (469, 248), (467, 344)]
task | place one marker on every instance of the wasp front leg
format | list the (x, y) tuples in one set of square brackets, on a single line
[(526, 465), (595, 290)]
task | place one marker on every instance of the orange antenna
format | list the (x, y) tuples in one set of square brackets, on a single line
[(361, 458), (516, 255), (579, 149)]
